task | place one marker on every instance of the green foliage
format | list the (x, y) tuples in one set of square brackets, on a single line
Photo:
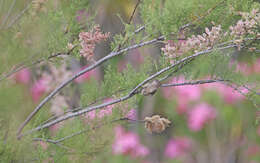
[(38, 36), (167, 17)]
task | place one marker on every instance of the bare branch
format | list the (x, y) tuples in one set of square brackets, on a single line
[(53, 142), (65, 83), (45, 100), (8, 13), (132, 16), (23, 66), (193, 83), (131, 93), (18, 16), (85, 130)]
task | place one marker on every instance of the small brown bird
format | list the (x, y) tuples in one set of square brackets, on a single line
[(156, 124), (150, 88)]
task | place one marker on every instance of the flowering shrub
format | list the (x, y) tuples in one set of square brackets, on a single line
[(200, 115), (88, 41), (177, 147), (176, 81), (128, 143)]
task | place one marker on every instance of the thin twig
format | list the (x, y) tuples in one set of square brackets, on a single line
[(23, 66), (19, 15), (176, 70), (129, 95), (242, 93), (65, 83), (139, 29), (132, 16), (80, 108), (192, 83), (53, 142), (203, 16), (85, 130), (45, 100), (8, 13)]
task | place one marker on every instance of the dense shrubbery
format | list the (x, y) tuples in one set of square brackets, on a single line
[(145, 81)]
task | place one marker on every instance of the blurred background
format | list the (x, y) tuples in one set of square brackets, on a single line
[(210, 123)]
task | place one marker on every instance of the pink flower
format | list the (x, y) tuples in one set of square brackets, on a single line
[(189, 93), (91, 115), (88, 41), (182, 105), (244, 68), (200, 115), (230, 95), (177, 147), (132, 114), (23, 76), (38, 89), (104, 112), (128, 143), (253, 150), (107, 110), (81, 15)]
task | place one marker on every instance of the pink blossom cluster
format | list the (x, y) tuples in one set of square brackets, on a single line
[(229, 95), (247, 69), (206, 40), (102, 113), (183, 94), (178, 147), (49, 80), (128, 143), (40, 87), (23, 76), (194, 43), (88, 41), (200, 115), (190, 95), (132, 114), (249, 24)]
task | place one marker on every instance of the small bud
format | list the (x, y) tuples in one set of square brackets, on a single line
[(150, 88), (156, 124), (70, 46)]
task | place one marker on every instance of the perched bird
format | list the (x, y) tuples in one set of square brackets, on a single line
[(150, 88), (156, 124)]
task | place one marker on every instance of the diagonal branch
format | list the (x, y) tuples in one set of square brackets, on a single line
[(8, 14), (129, 95), (193, 83), (23, 65), (65, 83), (132, 16), (19, 15)]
